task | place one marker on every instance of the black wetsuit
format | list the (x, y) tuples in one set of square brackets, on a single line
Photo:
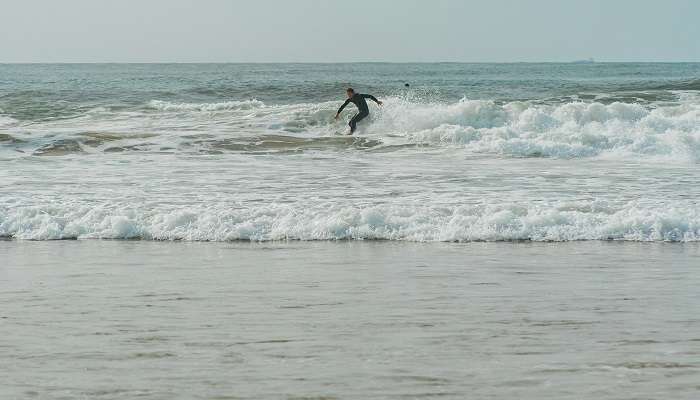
[(359, 100)]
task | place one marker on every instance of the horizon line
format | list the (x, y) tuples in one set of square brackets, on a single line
[(580, 62)]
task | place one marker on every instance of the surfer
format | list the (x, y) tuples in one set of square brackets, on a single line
[(359, 100)]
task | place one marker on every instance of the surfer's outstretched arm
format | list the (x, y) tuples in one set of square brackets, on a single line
[(341, 108), (374, 99)]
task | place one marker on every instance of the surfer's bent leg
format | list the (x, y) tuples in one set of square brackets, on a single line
[(357, 118)]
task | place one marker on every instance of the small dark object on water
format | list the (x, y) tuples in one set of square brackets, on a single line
[(407, 85)]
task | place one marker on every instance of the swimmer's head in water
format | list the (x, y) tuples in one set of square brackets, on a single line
[(350, 92), (407, 85)]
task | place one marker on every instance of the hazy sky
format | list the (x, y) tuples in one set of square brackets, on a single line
[(349, 30)]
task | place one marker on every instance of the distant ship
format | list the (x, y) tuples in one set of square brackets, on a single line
[(589, 61)]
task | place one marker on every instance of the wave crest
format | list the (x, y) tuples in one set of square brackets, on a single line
[(568, 130), (208, 107), (6, 121), (515, 129), (565, 221)]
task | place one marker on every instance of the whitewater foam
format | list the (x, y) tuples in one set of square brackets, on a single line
[(206, 107), (569, 130), (559, 221), (6, 121), (150, 156), (516, 129), (521, 129)]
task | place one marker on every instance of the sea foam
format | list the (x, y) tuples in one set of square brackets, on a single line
[(520, 129), (558, 221), (221, 106), (572, 129), (569, 130)]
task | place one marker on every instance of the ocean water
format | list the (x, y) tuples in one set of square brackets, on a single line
[(494, 231), (469, 152)]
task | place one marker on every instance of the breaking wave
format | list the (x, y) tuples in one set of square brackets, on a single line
[(575, 129), (517, 129), (6, 121), (222, 106), (561, 221)]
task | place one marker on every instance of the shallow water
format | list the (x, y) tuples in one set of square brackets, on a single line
[(157, 320), (470, 152)]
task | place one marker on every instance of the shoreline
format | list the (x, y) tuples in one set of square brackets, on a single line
[(346, 240)]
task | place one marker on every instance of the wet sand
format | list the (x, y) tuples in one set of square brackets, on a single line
[(382, 320)]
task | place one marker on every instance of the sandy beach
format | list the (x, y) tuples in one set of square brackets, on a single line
[(324, 320)]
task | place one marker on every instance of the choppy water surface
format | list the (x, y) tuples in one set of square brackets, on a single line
[(469, 152)]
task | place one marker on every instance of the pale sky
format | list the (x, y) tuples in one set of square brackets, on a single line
[(349, 30)]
